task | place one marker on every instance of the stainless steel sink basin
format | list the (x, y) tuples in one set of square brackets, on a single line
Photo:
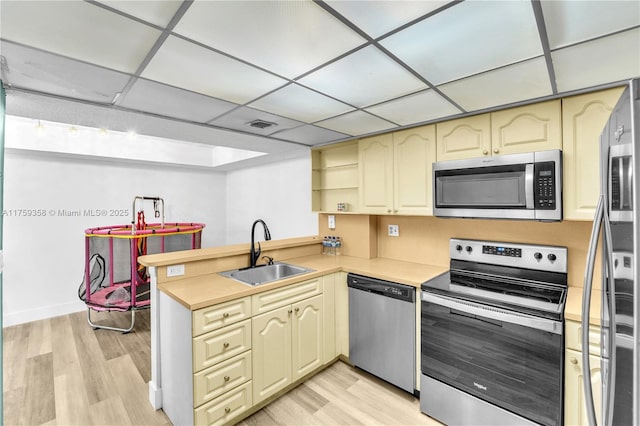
[(263, 274)]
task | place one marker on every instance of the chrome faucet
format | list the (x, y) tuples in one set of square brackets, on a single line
[(255, 254)]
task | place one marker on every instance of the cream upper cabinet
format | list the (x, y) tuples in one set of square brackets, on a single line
[(334, 177), (583, 119), (375, 156), (414, 151), (464, 138), (395, 172), (528, 128)]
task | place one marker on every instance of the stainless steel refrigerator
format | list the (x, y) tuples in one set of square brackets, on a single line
[(616, 223)]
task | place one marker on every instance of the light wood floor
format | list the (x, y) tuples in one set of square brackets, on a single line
[(60, 371)]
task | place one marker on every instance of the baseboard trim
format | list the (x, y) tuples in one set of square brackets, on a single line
[(45, 312)]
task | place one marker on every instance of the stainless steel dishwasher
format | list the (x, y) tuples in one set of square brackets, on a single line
[(382, 329)]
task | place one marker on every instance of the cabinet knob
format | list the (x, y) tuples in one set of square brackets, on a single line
[(395, 211), (297, 310), (289, 311), (227, 410), (227, 378), (485, 152), (496, 150), (574, 360), (225, 315), (225, 345), (388, 210)]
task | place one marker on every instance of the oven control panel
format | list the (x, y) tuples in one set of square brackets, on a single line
[(530, 256)]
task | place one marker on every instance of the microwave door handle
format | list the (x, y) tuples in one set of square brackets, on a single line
[(622, 182), (528, 186), (586, 307)]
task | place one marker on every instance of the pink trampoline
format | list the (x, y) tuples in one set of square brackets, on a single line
[(113, 278)]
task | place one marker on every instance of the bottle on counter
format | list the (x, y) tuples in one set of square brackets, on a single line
[(338, 249)]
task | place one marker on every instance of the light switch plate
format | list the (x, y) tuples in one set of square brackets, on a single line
[(175, 270), (394, 231), (332, 222)]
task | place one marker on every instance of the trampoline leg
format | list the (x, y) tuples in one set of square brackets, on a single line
[(105, 327)]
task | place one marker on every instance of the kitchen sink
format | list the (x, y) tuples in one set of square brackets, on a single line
[(263, 274)]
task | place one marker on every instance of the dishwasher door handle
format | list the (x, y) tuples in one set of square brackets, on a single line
[(497, 314)]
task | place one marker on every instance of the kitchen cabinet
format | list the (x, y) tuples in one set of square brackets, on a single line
[(206, 361), (535, 127), (334, 177), (574, 401), (342, 314), (329, 283), (395, 172), (583, 119), (287, 345)]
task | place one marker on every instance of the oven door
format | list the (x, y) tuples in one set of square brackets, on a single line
[(512, 360)]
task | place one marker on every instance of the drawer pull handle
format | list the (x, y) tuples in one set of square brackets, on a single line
[(227, 378), (574, 361), (225, 315), (225, 345), (227, 410)]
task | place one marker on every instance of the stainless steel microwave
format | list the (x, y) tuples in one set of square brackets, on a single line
[(515, 186)]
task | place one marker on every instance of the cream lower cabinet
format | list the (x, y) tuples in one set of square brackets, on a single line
[(583, 119), (395, 172), (287, 344), (574, 401)]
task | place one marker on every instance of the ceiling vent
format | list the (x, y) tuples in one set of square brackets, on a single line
[(261, 124)]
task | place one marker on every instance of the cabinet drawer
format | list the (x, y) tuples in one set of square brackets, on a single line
[(221, 315), (225, 408), (222, 377), (274, 299), (573, 337), (219, 345)]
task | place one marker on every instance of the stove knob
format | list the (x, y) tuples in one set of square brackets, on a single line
[(458, 247), (537, 255), (551, 257), (469, 249)]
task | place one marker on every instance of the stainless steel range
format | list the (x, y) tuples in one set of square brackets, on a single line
[(492, 339)]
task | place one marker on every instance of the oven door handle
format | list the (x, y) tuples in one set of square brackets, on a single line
[(497, 314)]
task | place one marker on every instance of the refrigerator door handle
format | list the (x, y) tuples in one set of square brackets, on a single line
[(586, 307), (608, 266)]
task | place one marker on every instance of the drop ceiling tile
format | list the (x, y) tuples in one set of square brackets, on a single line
[(569, 22), (379, 17), (33, 69), (149, 96), (617, 58), (310, 135), (363, 78), (193, 67), (519, 82), (239, 119), (287, 37), (78, 30), (300, 103), (468, 38), (156, 12), (423, 106), (356, 123)]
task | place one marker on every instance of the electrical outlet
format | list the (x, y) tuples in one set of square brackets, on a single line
[(394, 231), (175, 270), (332, 222)]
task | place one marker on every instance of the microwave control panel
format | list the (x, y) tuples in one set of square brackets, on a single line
[(545, 185)]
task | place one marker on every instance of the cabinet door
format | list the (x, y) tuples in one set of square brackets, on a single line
[(329, 313), (414, 152), (574, 406), (526, 129), (583, 119), (307, 336), (376, 174), (271, 333), (342, 314), (464, 138)]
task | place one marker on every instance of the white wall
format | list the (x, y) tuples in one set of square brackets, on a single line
[(278, 193), (44, 256)]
